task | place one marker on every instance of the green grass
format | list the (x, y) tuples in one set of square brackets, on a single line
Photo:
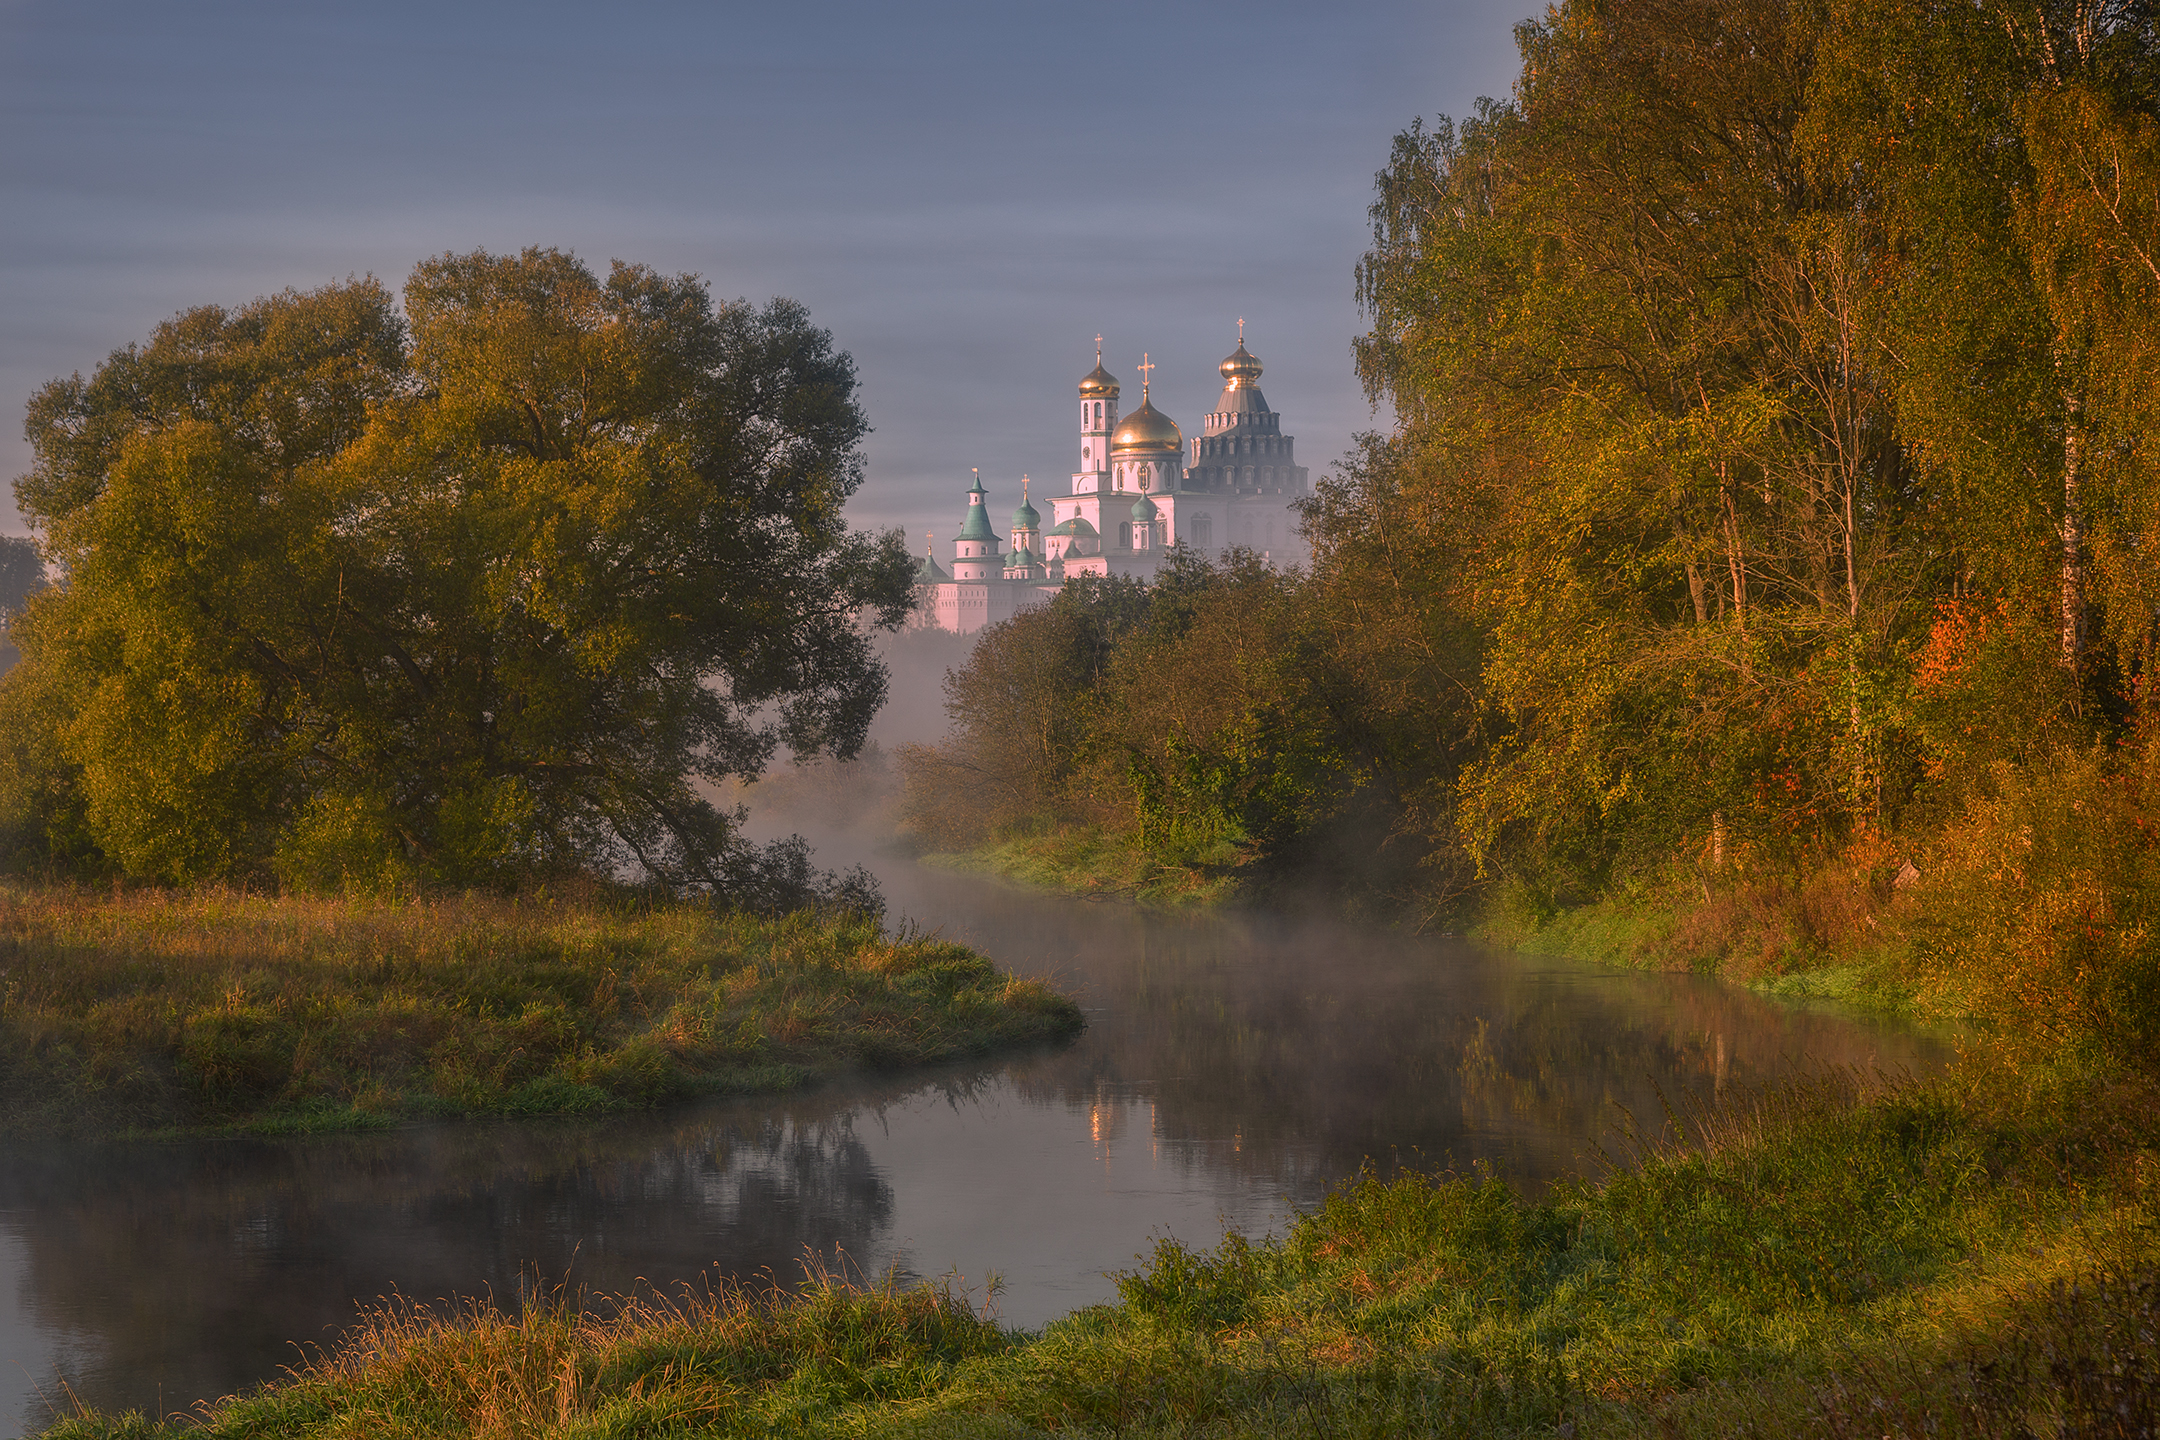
[(1829, 1258), (155, 1011), (1092, 860)]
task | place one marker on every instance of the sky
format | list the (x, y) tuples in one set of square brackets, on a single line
[(964, 192)]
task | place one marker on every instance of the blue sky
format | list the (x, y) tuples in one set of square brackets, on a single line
[(963, 193)]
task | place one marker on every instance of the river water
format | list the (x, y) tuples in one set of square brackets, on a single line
[(1235, 1067)]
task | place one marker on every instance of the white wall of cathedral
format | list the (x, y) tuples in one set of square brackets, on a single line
[(1138, 475), (1207, 522), (965, 608)]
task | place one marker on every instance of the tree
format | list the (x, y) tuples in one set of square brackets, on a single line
[(468, 596)]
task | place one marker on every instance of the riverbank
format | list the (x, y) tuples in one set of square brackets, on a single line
[(150, 1012), (1972, 1253), (1094, 862)]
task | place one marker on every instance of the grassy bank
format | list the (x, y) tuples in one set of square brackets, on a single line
[(154, 1010), (1830, 1259), (1094, 861)]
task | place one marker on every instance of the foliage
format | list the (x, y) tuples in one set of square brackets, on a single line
[(2040, 916), (1759, 573), (1788, 1261), (154, 1011), (1290, 723), (463, 597)]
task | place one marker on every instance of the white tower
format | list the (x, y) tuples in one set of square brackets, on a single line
[(1098, 417)]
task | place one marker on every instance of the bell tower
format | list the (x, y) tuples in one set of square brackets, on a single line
[(1098, 417)]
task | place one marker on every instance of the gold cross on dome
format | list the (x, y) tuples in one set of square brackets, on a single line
[(1144, 368), (1098, 349), (1241, 330)]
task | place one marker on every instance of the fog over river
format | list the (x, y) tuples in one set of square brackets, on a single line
[(1235, 1067)]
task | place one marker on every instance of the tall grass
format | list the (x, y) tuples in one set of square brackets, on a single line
[(151, 1010), (1844, 1253), (1095, 861)]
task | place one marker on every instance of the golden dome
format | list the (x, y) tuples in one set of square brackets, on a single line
[(1099, 384), (1147, 429), (1241, 368)]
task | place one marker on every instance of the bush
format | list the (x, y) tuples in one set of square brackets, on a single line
[(2038, 912)]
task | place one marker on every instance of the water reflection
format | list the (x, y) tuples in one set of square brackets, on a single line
[(1232, 1065)]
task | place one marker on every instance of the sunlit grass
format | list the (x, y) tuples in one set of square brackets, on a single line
[(152, 1009), (1093, 860)]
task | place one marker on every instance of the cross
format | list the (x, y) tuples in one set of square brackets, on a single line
[(1098, 349), (1023, 489), (1144, 368), (1241, 332)]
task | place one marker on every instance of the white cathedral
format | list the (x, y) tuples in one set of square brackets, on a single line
[(1138, 492)]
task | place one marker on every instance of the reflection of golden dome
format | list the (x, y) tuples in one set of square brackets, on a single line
[(1242, 368), (1147, 429), (1099, 383)]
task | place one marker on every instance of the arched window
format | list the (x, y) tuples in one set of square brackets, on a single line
[(1147, 476), (1124, 535), (1203, 531)]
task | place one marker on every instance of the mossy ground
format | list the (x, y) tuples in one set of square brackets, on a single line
[(1964, 1257), (154, 1011)]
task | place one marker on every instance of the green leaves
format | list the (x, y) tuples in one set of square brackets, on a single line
[(464, 606)]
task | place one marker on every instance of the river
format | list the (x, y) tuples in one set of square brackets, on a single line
[(1235, 1067)]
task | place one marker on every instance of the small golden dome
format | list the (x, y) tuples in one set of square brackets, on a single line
[(1099, 383), (1147, 429), (1241, 368)]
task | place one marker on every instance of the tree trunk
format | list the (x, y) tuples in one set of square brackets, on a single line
[(2073, 529), (1737, 567)]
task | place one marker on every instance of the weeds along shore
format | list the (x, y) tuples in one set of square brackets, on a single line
[(1973, 1256), (153, 1010)]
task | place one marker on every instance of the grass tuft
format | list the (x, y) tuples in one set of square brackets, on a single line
[(154, 1011)]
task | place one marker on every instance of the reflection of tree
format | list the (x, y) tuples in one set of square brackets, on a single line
[(1292, 1054), (193, 1267)]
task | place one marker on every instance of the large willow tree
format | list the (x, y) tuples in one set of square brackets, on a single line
[(477, 593)]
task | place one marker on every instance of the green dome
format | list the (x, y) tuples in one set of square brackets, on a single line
[(1026, 518), (1143, 509), (929, 572), (1077, 527)]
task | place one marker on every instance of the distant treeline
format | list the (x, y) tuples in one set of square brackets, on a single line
[(1771, 497)]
